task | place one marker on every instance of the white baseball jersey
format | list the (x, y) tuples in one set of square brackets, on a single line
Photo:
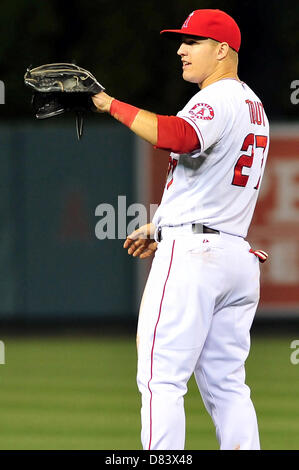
[(218, 184)]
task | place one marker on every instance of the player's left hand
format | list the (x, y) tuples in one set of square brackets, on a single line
[(141, 242)]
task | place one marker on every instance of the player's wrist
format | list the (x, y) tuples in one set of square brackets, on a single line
[(151, 228), (123, 112), (109, 103)]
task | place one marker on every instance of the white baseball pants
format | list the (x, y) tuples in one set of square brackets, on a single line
[(195, 317)]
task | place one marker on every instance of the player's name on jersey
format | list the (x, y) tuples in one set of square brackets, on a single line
[(256, 112)]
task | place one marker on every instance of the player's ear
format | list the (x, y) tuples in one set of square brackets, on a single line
[(223, 50)]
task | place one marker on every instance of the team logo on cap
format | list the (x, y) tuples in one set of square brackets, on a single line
[(187, 20), (202, 111)]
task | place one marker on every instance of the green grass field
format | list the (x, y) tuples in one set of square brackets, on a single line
[(80, 393)]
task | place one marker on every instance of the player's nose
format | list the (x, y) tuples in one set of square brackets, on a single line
[(182, 50)]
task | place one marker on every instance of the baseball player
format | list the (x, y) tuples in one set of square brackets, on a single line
[(203, 288)]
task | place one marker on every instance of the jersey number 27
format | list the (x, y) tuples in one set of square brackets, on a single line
[(253, 141)]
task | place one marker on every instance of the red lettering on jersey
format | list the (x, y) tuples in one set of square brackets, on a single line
[(258, 141), (256, 112), (202, 111), (244, 160), (250, 111), (261, 141), (262, 111)]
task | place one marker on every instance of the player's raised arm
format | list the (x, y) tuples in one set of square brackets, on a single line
[(166, 132), (143, 123)]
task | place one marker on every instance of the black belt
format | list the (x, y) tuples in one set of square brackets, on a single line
[(196, 228)]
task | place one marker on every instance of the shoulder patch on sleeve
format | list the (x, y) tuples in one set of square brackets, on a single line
[(202, 111)]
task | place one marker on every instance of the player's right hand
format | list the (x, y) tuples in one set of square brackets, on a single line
[(102, 102), (141, 242)]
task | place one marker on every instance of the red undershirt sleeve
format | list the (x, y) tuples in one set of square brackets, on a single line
[(176, 135), (173, 133)]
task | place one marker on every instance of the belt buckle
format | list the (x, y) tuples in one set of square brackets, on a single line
[(197, 228), (158, 234)]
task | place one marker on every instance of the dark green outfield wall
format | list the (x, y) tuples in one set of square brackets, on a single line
[(52, 263)]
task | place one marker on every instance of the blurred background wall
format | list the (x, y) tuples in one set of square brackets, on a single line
[(53, 266)]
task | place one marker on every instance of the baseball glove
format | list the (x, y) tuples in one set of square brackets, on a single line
[(60, 88)]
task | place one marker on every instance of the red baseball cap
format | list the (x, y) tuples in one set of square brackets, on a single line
[(214, 24)]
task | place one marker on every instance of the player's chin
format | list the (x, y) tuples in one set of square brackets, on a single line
[(189, 77)]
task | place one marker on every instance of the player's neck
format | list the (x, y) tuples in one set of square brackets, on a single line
[(218, 76)]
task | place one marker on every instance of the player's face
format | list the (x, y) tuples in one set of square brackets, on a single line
[(198, 58)]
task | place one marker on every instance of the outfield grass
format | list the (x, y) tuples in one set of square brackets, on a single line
[(80, 393)]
